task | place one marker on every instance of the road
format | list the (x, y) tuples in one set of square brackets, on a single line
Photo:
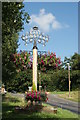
[(54, 100)]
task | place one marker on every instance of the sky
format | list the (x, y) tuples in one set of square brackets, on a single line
[(58, 20)]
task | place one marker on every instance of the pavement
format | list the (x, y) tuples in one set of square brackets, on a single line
[(55, 100)]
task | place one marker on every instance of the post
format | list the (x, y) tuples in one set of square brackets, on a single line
[(35, 66), (37, 37)]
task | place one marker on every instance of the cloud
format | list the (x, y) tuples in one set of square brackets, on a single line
[(46, 21), (56, 25)]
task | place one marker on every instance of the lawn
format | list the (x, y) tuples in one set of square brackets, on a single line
[(9, 104), (74, 95)]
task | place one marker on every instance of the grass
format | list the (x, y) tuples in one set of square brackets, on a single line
[(10, 102), (74, 96), (58, 92)]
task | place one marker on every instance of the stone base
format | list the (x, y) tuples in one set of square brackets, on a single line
[(30, 109), (36, 108)]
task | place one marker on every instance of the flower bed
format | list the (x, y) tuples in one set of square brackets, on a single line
[(36, 96)]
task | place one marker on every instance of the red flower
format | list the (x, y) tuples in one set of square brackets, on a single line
[(23, 62), (50, 57), (47, 98), (41, 60), (59, 61), (39, 98)]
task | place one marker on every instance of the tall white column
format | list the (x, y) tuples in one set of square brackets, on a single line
[(35, 66)]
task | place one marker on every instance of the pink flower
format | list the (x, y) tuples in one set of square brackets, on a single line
[(56, 65), (39, 93), (20, 58), (41, 60), (32, 96), (25, 57), (54, 54), (36, 96), (24, 66), (46, 93), (45, 55), (29, 63)]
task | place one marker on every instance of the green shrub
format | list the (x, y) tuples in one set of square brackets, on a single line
[(21, 82)]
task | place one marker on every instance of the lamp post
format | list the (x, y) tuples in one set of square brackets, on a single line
[(69, 77), (35, 37)]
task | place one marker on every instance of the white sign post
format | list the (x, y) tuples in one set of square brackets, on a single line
[(35, 66)]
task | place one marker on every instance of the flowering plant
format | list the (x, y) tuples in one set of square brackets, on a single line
[(48, 61), (21, 60), (36, 96)]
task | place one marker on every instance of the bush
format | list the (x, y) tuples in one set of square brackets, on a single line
[(21, 82)]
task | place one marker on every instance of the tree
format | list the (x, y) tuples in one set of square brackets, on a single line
[(74, 62), (13, 17)]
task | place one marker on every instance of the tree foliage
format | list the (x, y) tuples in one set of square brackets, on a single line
[(13, 16), (74, 62)]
